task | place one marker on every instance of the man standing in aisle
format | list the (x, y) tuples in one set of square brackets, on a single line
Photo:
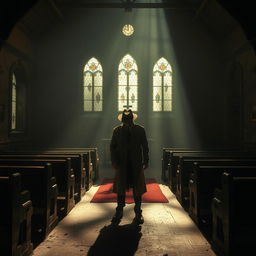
[(129, 156)]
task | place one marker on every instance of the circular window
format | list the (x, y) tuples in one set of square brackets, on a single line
[(128, 30)]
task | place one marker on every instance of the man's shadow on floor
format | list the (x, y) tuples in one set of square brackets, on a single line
[(115, 240)]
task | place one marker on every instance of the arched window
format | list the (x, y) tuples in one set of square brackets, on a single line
[(127, 83), (93, 83), (13, 103), (18, 84), (162, 86)]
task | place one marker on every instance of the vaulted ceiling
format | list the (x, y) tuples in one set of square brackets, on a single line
[(14, 10)]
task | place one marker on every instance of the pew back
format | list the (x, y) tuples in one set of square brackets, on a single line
[(15, 221), (76, 166), (175, 158), (201, 188), (234, 220), (93, 158), (185, 168), (43, 189), (61, 169)]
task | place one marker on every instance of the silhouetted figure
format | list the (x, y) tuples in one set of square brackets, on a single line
[(129, 156)]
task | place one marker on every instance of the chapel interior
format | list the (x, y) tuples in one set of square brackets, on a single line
[(63, 82)]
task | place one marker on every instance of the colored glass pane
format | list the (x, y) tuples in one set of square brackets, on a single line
[(93, 86), (127, 83), (162, 86)]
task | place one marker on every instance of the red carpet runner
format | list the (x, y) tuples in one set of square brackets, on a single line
[(153, 195)]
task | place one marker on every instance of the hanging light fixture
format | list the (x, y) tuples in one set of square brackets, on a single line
[(128, 29)]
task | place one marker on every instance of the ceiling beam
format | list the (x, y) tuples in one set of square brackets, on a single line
[(131, 5)]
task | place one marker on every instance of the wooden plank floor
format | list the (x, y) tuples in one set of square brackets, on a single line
[(87, 230)]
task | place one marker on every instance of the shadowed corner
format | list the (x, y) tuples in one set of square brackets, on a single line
[(117, 240)]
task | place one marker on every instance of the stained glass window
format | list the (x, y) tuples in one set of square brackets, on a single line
[(14, 103), (93, 85), (162, 86), (127, 83)]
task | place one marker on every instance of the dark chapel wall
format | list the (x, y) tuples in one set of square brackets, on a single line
[(199, 79), (16, 56)]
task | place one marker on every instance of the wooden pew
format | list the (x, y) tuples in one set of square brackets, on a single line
[(173, 164), (95, 162), (165, 161), (65, 179), (76, 166), (80, 163), (175, 156), (166, 157), (185, 168), (15, 220), (91, 161), (202, 184), (174, 161), (89, 169), (234, 221), (94, 158), (43, 189)]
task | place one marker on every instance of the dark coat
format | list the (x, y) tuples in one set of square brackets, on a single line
[(129, 151)]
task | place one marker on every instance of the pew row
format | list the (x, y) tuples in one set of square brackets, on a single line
[(90, 161), (41, 184), (204, 180), (86, 169), (61, 169), (93, 158), (234, 220), (76, 166), (174, 157), (185, 169), (165, 161), (15, 221)]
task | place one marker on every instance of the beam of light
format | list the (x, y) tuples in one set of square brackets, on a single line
[(150, 41), (153, 41), (179, 123)]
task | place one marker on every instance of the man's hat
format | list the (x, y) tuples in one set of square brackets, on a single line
[(126, 115)]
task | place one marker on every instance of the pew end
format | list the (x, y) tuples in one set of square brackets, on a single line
[(15, 222), (234, 221)]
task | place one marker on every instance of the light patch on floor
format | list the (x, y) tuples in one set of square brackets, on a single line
[(86, 231)]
